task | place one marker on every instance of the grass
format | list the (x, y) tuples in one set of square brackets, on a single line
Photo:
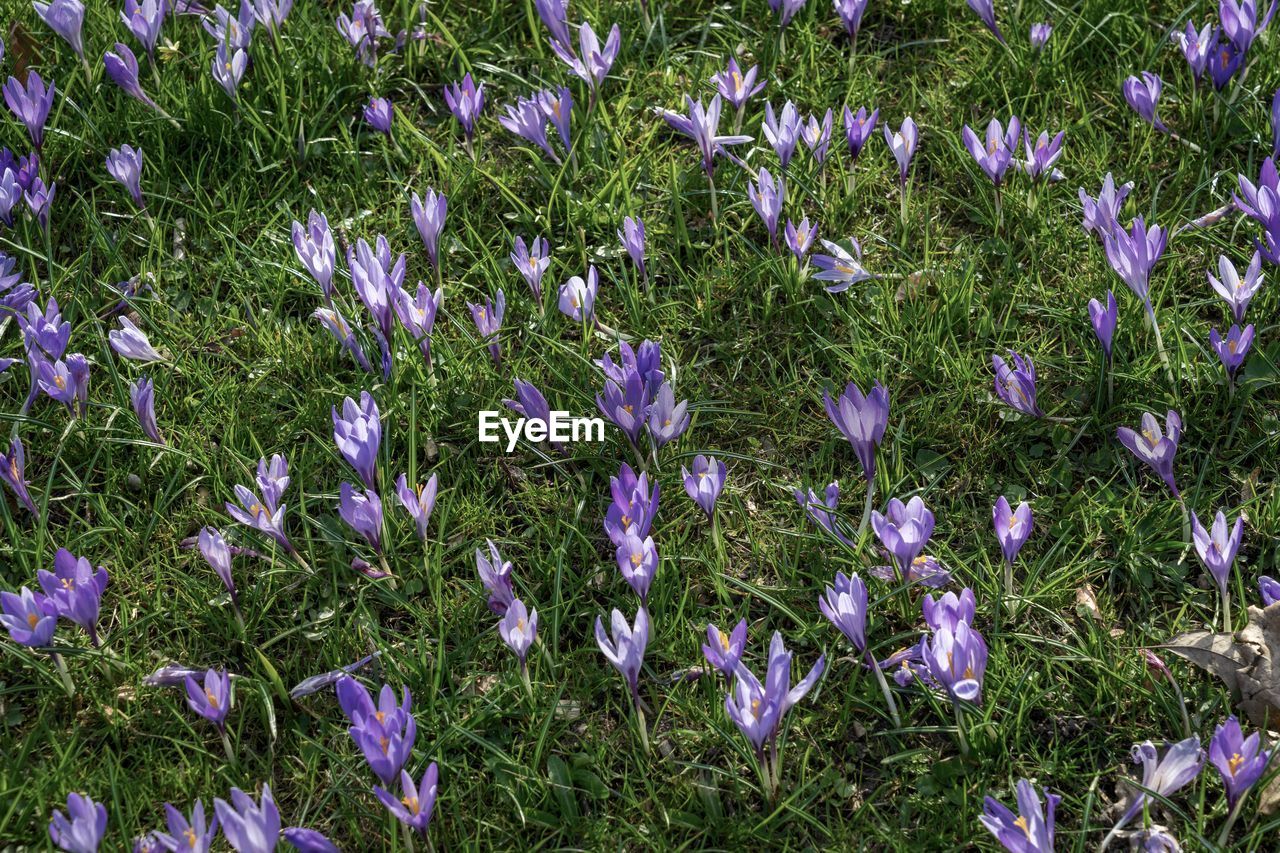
[(752, 348)]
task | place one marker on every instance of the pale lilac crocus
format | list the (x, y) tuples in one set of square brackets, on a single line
[(995, 153), (532, 261), (1100, 214), (1240, 761), (39, 201), (782, 130), (144, 18), (30, 102), (315, 250), (1031, 830), (822, 511), (631, 235), (66, 18), (465, 100), (518, 629), (1134, 253), (557, 106), (1040, 33), (531, 405), (527, 119), (1012, 527), (429, 216), (131, 342), (986, 11), (1103, 320), (862, 420), (1143, 95), (82, 828), (1217, 549), (142, 397), (1043, 155), (956, 659), (212, 699), (495, 574), (341, 330), (1233, 348), (816, 136), (845, 606), (858, 128), (1154, 446), (213, 547), (378, 114), (249, 827), (625, 649), (578, 296), (1196, 46), (637, 560), (702, 125), (767, 197), (272, 13), (592, 62), (125, 165), (416, 807), (357, 432), (903, 144), (227, 68), (188, 836), (724, 651), (704, 482), (362, 513), (236, 31), (1163, 777), (75, 590), (488, 320), (668, 419), (800, 238), (786, 10), (418, 502), (1236, 290), (13, 468), (850, 13), (1268, 590), (842, 267), (737, 86), (29, 617), (417, 314), (1016, 383), (903, 529), (122, 68)]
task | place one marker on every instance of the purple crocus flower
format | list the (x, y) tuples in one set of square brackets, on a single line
[(188, 836), (949, 610), (842, 267), (557, 106), (1040, 35), (378, 114), (29, 617), (555, 17), (519, 628), (704, 483), (1042, 155), (465, 100), (858, 128), (227, 68), (767, 197), (417, 314), (255, 513), (1275, 123), (702, 125), (862, 419), (362, 513), (800, 237), (1100, 214), (131, 342), (360, 710), (217, 554), (638, 562), (823, 511), (495, 574), (850, 14), (1012, 527), (273, 478), (386, 740), (142, 396), (13, 468), (986, 10), (66, 18), (415, 808), (1239, 22), (170, 675), (625, 649), (419, 502), (125, 165), (234, 31), (1196, 46), (429, 218), (31, 103), (272, 13), (782, 130), (15, 294), (631, 234), (1133, 254), (578, 297), (845, 606), (1016, 383), (1154, 447), (1029, 831), (817, 136), (144, 19), (1163, 776), (903, 145), (342, 332), (532, 261), (903, 529), (249, 827), (315, 249), (75, 590), (82, 828), (1237, 291), (531, 405), (724, 651), (1143, 95), (358, 434), (758, 709), (737, 86), (39, 200), (996, 153), (1234, 348), (363, 29), (213, 700), (634, 505), (527, 119), (122, 68), (1240, 761), (488, 320), (625, 401), (668, 419), (786, 10), (308, 840), (1224, 61), (1104, 321), (1217, 548), (592, 63), (1269, 590), (11, 193), (956, 660)]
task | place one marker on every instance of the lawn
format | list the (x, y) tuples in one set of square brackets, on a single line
[(960, 272)]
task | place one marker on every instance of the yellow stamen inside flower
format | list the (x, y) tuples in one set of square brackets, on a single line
[(68, 583), (213, 700), (629, 408), (636, 558), (380, 716), (1152, 437), (60, 382), (724, 640), (520, 625), (255, 509), (13, 468), (384, 743), (32, 620), (1231, 346), (411, 803), (1234, 762), (844, 268), (1021, 823)]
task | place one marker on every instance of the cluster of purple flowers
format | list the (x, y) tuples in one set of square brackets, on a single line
[(518, 625), (1222, 50), (637, 395), (72, 591)]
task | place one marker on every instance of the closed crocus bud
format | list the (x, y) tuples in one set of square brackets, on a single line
[(1040, 35), (66, 18), (1012, 527), (429, 216), (1217, 547), (248, 826), (378, 114), (357, 432), (903, 144), (30, 103), (1143, 95), (845, 606), (1104, 320), (125, 165), (362, 513), (986, 10), (419, 501), (122, 68), (132, 343), (631, 235), (1016, 383), (142, 396), (704, 482), (578, 297)]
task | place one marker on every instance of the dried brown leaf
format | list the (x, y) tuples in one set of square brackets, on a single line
[(1248, 661)]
